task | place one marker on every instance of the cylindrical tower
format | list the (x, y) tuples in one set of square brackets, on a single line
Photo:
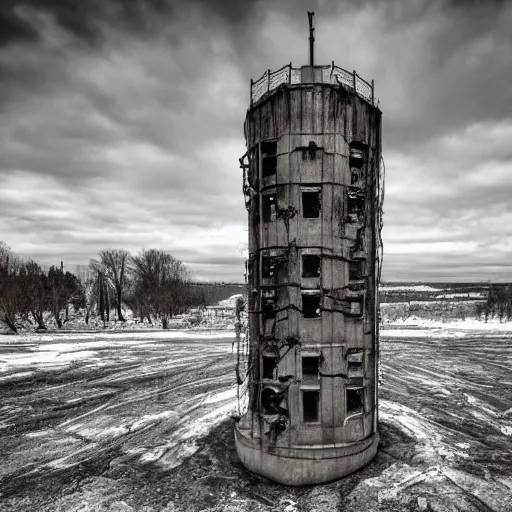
[(312, 187)]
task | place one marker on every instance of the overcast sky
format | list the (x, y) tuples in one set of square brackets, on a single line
[(121, 124)]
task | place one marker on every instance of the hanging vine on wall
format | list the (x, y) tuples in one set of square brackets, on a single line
[(286, 214)]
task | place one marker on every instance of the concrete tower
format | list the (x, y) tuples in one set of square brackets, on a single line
[(313, 187)]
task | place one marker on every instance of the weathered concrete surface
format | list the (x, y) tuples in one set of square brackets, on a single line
[(303, 465)]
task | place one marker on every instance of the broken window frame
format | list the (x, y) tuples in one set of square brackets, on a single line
[(268, 302), (306, 268), (269, 390), (268, 158), (356, 204), (314, 212), (355, 411), (268, 267), (358, 158), (355, 364), (312, 293), (312, 390), (269, 206)]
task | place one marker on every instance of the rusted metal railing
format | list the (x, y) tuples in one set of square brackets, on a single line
[(332, 74)]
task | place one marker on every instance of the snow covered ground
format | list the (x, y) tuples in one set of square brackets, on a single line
[(459, 295), (409, 288), (97, 422), (425, 328)]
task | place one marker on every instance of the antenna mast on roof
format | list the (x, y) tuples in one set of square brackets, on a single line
[(311, 39)]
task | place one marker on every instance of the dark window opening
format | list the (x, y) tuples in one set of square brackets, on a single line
[(268, 158), (355, 204), (310, 265), (355, 176), (269, 148), (359, 244), (268, 303), (269, 401), (269, 207), (357, 158), (358, 144), (269, 365), (354, 400), (355, 364), (310, 366), (311, 305), (269, 166), (310, 401), (311, 205), (355, 270), (268, 267)]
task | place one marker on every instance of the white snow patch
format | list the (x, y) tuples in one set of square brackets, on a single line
[(43, 358), (419, 333), (405, 417), (97, 433), (50, 355), (467, 295), (410, 288), (230, 302), (153, 418), (507, 430), (14, 376), (471, 399), (183, 441), (39, 433), (493, 494), (470, 324)]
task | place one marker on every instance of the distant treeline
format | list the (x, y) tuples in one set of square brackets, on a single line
[(499, 303), (153, 284), (442, 286)]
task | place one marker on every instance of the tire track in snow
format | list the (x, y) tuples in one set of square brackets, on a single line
[(171, 385)]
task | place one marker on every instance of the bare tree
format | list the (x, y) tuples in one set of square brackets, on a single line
[(100, 284), (103, 288), (36, 290), (161, 283), (88, 275), (115, 263), (12, 301), (64, 287)]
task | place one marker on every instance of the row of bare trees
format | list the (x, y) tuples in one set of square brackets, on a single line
[(499, 303), (153, 284), (27, 290)]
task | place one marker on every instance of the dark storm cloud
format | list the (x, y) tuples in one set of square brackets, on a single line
[(121, 124), (454, 69), (82, 18)]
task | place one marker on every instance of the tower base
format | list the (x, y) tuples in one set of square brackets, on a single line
[(303, 465)]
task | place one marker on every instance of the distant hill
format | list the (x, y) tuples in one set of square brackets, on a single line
[(216, 292)]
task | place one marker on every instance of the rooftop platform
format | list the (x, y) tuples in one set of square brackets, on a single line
[(334, 75)]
